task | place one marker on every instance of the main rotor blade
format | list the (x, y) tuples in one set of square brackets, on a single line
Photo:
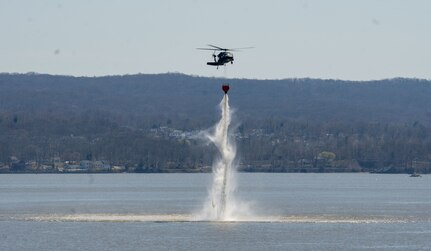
[(222, 49), (216, 48), (242, 48)]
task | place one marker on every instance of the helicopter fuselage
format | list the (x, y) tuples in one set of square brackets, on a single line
[(223, 58)]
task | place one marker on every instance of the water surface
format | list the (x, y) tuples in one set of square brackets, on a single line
[(155, 211)]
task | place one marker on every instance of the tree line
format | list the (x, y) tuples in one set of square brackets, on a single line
[(283, 125)]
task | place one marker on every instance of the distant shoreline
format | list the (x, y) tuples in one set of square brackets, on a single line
[(192, 172)]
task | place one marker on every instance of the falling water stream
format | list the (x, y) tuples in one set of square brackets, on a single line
[(221, 204), (224, 167)]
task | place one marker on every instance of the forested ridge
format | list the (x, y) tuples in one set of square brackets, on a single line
[(149, 122)]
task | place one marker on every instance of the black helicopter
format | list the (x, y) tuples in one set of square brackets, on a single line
[(224, 57)]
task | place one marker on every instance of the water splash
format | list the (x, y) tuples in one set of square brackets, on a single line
[(221, 204), (318, 219)]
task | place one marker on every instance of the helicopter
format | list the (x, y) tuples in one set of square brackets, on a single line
[(225, 56)]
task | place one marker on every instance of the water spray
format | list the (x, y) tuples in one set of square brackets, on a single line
[(227, 152), (221, 204)]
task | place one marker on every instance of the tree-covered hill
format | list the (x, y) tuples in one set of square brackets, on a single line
[(386, 122), (178, 96)]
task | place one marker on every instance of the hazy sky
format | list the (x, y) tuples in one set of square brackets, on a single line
[(357, 40)]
